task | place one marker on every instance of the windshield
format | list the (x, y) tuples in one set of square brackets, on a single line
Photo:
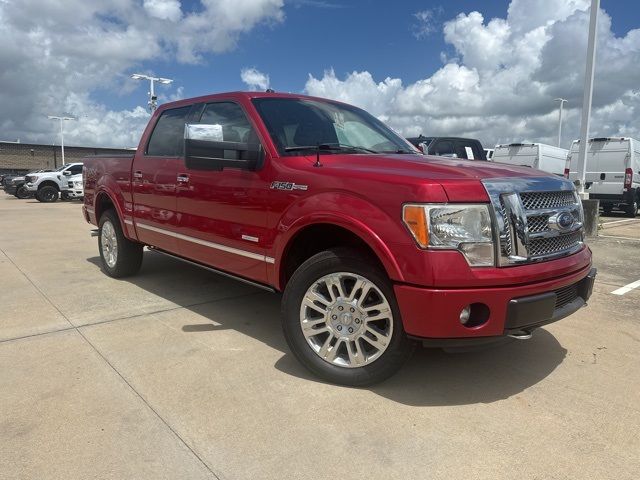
[(62, 167), (295, 122)]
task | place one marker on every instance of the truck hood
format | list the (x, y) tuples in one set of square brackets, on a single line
[(428, 167), (459, 179)]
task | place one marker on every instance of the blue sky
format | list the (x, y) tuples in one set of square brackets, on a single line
[(376, 36), (354, 35)]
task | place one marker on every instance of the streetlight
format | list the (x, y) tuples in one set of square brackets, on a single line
[(62, 119), (588, 96), (562, 102), (153, 99)]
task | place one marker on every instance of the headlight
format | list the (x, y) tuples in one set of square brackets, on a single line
[(466, 228)]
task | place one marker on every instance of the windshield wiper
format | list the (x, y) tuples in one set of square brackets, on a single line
[(330, 147), (399, 151)]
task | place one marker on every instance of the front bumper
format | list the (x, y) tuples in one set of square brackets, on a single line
[(74, 193), (434, 314)]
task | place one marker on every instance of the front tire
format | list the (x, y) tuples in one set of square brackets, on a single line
[(120, 256), (341, 319), (22, 192), (47, 194)]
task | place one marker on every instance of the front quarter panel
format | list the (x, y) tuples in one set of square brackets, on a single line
[(372, 224)]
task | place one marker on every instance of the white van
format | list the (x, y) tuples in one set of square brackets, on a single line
[(535, 155), (612, 172)]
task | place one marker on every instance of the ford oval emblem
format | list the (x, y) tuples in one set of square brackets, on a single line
[(565, 221)]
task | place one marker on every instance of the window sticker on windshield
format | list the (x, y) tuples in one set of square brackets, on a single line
[(469, 153), (338, 120)]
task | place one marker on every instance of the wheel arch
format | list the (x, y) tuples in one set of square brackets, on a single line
[(103, 202), (49, 183), (309, 237)]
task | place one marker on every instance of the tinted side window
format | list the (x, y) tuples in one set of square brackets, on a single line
[(167, 139), (230, 121), (76, 169), (443, 148)]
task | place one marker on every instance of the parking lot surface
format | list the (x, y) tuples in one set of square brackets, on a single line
[(177, 373)]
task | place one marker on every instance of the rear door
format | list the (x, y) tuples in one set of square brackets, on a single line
[(223, 213), (154, 178), (606, 163)]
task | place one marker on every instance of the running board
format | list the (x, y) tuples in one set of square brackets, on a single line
[(215, 270)]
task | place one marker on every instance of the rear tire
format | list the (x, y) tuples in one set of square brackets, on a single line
[(47, 194), (347, 340), (632, 210), (120, 257)]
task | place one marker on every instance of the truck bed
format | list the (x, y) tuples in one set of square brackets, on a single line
[(112, 171)]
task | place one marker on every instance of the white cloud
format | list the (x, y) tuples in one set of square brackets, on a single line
[(254, 79), (426, 22), (164, 9), (56, 53), (500, 83)]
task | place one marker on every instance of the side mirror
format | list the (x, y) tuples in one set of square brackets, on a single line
[(206, 149), (66, 173)]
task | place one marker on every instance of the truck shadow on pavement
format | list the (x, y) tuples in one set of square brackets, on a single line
[(431, 377)]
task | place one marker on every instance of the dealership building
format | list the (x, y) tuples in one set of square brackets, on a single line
[(24, 157)]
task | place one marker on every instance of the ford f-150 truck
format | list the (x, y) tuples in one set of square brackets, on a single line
[(374, 246)]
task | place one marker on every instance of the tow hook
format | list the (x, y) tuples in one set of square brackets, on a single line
[(522, 335)]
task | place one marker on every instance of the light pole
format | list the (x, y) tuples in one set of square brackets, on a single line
[(61, 119), (588, 96), (562, 102), (153, 99)]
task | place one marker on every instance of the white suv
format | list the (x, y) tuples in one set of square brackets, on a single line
[(47, 185), (74, 188)]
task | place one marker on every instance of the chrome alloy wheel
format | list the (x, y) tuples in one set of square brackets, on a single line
[(346, 319), (109, 242)]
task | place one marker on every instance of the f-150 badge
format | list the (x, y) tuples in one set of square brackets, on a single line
[(287, 186)]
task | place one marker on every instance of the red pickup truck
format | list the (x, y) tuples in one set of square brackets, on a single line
[(374, 246)]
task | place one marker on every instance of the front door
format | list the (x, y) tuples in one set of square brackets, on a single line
[(223, 213), (154, 178)]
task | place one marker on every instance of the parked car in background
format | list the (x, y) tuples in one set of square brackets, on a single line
[(488, 153), (612, 172), (74, 188), (15, 185), (535, 155), (47, 186), (453, 147), (374, 246)]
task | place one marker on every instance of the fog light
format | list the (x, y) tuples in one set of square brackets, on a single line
[(465, 314)]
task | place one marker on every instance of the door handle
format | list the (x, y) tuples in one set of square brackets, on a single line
[(137, 175), (183, 178)]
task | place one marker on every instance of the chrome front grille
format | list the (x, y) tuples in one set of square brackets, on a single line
[(538, 223), (536, 219), (540, 200), (545, 246)]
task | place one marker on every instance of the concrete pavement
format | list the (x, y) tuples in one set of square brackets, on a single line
[(179, 373)]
